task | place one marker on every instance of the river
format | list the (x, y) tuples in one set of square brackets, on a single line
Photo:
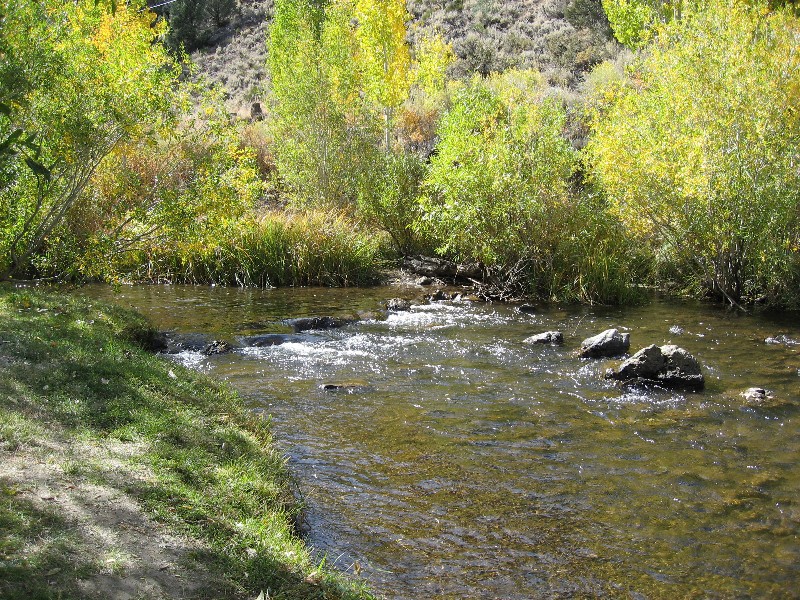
[(456, 461)]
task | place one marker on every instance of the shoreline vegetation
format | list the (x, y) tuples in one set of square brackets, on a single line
[(121, 470), (668, 160)]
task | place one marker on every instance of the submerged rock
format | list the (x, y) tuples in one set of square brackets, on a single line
[(174, 343), (269, 339), (348, 387), (527, 309), (756, 397), (755, 394), (398, 305), (309, 323), (667, 365), (548, 337), (609, 343)]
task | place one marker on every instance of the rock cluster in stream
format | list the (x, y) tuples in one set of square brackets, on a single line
[(666, 365)]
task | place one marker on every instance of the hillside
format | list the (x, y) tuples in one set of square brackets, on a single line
[(562, 38)]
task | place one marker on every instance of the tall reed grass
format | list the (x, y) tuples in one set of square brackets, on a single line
[(273, 249)]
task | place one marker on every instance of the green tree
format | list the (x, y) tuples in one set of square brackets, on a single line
[(192, 22), (96, 78), (385, 57), (497, 189), (220, 11), (325, 137), (187, 24), (634, 21), (22, 68), (699, 154)]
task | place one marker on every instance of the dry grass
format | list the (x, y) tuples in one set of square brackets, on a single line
[(487, 35)]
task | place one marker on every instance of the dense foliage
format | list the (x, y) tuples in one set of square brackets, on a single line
[(114, 167), (699, 154), (81, 78)]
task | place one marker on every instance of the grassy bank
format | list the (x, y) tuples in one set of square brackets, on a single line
[(122, 471), (274, 249)]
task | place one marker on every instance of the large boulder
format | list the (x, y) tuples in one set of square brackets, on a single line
[(609, 343), (667, 365), (555, 338), (310, 323)]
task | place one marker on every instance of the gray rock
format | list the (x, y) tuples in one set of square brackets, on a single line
[(439, 295), (440, 268), (667, 365), (424, 281), (609, 343), (217, 347), (309, 323), (398, 305), (431, 266), (256, 112), (548, 337)]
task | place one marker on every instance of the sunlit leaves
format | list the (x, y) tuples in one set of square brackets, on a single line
[(79, 77), (499, 178), (702, 151), (384, 54)]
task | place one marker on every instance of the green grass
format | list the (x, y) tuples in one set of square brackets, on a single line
[(74, 375), (275, 249)]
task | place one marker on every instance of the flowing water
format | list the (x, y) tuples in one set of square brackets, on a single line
[(455, 461)]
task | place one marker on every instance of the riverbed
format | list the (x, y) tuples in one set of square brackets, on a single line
[(440, 456)]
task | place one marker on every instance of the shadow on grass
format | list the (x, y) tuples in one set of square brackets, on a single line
[(74, 366), (41, 555)]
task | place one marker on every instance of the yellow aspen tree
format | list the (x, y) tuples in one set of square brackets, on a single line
[(699, 153), (384, 56)]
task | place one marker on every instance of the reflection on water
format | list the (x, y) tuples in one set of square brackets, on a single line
[(451, 460)]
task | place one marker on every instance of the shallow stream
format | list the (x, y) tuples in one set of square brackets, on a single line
[(456, 461)]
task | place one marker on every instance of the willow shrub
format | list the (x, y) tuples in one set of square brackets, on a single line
[(272, 250), (157, 192), (699, 153), (498, 192), (388, 199), (81, 78)]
